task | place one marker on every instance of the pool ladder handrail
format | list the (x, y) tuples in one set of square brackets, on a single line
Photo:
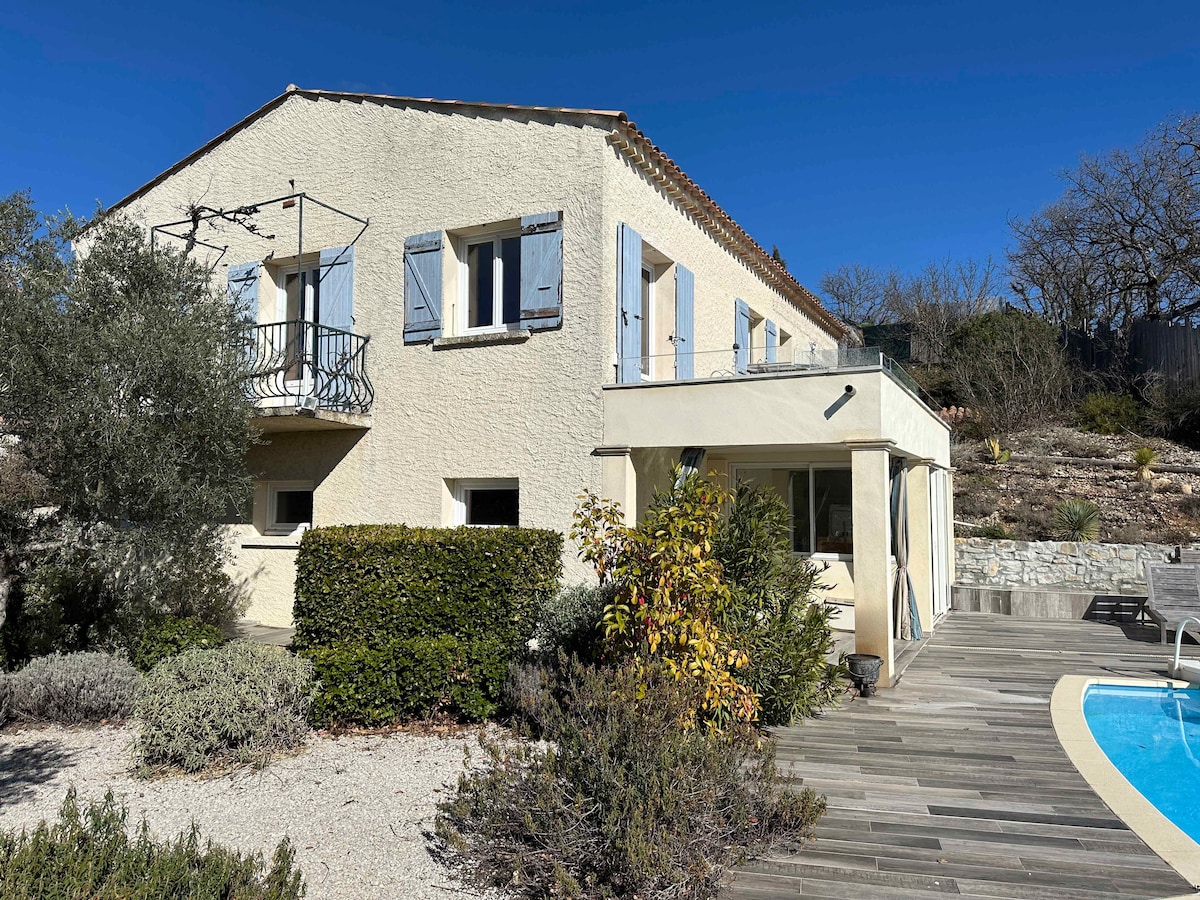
[(1179, 630)]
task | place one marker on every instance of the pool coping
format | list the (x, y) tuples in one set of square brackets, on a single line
[(1159, 833)]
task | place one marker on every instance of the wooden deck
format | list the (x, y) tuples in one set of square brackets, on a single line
[(953, 783)]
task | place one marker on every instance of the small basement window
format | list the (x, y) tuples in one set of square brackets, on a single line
[(289, 506), (487, 503)]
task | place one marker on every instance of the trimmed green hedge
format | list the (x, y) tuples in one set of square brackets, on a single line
[(401, 622)]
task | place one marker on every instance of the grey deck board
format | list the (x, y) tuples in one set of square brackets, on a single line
[(954, 783)]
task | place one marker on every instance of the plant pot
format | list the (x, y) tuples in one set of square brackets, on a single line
[(864, 671)]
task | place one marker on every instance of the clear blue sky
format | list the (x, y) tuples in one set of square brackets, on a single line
[(877, 132)]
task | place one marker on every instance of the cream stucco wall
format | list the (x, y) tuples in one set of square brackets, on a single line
[(720, 276), (532, 410)]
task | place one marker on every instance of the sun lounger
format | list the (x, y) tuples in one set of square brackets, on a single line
[(1174, 593)]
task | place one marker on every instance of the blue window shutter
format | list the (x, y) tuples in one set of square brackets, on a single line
[(741, 336), (423, 287), (335, 300), (685, 317), (242, 284), (243, 290), (541, 271), (337, 288), (772, 331), (629, 305)]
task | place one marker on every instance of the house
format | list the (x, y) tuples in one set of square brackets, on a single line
[(468, 313)]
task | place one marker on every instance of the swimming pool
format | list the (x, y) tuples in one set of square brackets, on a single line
[(1152, 735)]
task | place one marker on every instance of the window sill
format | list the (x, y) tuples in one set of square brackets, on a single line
[(825, 557), (480, 340)]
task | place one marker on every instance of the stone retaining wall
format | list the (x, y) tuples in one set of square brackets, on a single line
[(1087, 567)]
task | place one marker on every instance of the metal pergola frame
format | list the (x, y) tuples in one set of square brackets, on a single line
[(297, 198)]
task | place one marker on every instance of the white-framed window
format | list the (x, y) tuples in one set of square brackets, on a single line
[(490, 282), (487, 502), (820, 499), (298, 302), (646, 313), (289, 506)]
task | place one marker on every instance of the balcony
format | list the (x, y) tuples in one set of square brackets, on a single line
[(818, 399), (306, 376)]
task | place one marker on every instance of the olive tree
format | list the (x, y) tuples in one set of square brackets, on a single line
[(123, 408)]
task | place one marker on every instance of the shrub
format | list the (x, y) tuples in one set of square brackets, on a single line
[(1009, 369), (101, 587), (1032, 519), (995, 531), (389, 680), (1076, 520), (776, 610), (623, 801), (366, 592), (1174, 412), (1128, 534), (671, 591), (89, 852), (239, 703), (171, 637), (975, 506), (1189, 505), (571, 622), (1103, 412), (73, 688), (1083, 446)]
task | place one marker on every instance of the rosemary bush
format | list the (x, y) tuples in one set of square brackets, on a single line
[(90, 853), (621, 800)]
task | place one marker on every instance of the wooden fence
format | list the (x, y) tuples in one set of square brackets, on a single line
[(1154, 347)]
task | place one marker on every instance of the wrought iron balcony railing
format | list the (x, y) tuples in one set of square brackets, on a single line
[(308, 365)]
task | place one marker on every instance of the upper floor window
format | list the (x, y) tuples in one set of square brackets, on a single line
[(506, 276), (492, 278), (646, 314)]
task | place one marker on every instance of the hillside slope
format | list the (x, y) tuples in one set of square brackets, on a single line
[(1021, 494)]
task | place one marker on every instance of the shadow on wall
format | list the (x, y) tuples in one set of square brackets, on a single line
[(301, 456)]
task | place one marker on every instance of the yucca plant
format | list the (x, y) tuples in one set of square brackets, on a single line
[(1144, 458), (1076, 520), (996, 452)]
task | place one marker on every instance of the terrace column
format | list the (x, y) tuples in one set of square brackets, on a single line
[(920, 539), (950, 550), (618, 479), (873, 614)]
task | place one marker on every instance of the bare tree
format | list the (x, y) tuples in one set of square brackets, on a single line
[(941, 297), (1124, 239), (858, 294), (934, 302)]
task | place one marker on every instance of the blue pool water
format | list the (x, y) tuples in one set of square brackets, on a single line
[(1152, 735)]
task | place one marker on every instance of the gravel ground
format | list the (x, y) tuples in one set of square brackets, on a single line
[(356, 807)]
